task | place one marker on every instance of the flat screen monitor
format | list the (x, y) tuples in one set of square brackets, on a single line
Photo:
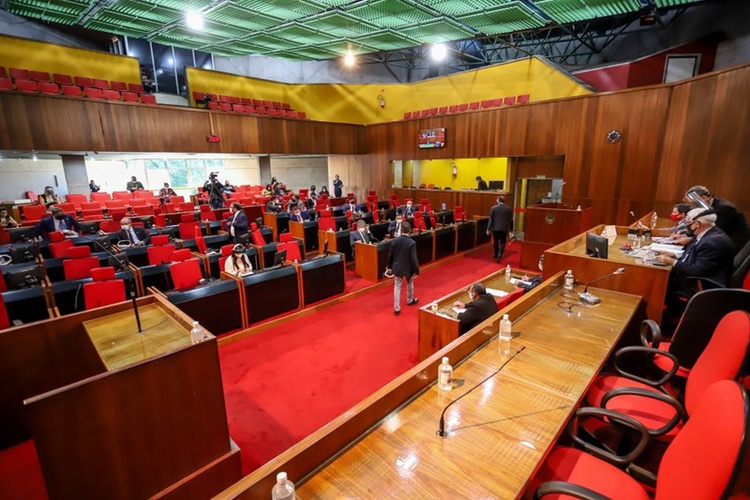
[(432, 138), (24, 278), (597, 246), (24, 252), (20, 233), (119, 262), (496, 184), (279, 258), (89, 227)]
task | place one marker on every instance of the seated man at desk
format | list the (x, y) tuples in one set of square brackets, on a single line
[(5, 219), (394, 227), (729, 218), (362, 234), (57, 221), (137, 236), (407, 210), (299, 215), (481, 307), (274, 205), (353, 208), (238, 264)]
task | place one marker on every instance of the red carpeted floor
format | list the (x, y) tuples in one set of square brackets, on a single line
[(286, 382)]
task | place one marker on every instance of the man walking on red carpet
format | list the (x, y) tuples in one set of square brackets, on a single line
[(403, 263), (501, 221)]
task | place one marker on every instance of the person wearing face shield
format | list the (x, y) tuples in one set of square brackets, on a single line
[(57, 221), (729, 218), (137, 236)]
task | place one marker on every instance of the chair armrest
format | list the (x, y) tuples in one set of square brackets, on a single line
[(650, 334), (566, 488), (610, 417), (680, 413), (703, 283), (642, 475), (654, 383)]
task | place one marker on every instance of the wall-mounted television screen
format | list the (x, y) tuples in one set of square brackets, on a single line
[(432, 138)]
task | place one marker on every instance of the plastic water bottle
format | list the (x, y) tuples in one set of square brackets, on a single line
[(283, 489), (654, 220), (569, 280), (507, 273), (197, 334), (505, 335), (434, 307), (445, 375)]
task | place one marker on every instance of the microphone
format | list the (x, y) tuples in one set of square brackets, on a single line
[(590, 298), (441, 426), (129, 273)]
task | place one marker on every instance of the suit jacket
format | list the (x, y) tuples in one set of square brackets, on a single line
[(402, 257), (392, 228), (355, 236), (733, 222), (501, 218), (476, 312), (406, 212), (303, 216), (482, 186), (47, 225), (710, 257), (239, 222), (140, 233)]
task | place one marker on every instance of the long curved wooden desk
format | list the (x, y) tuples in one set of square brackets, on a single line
[(387, 447)]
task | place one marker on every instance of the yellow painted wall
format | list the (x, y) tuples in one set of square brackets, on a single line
[(360, 104), (40, 56), (438, 172), (407, 173)]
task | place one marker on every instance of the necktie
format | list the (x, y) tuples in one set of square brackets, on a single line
[(133, 237)]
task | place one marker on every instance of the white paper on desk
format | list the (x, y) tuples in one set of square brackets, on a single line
[(458, 310), (610, 232), (675, 249), (496, 293)]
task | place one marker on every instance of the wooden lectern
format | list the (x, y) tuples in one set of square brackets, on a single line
[(548, 224)]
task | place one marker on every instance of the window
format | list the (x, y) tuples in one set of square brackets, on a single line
[(180, 173)]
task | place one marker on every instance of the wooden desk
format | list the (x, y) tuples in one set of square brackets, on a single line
[(437, 330), (474, 202), (498, 435), (370, 261), (338, 241), (639, 279), (307, 231), (278, 222), (547, 225)]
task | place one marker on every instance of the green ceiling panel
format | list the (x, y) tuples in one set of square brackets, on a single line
[(234, 16), (571, 11), (283, 9), (314, 53), (64, 12), (437, 31), (390, 13), (387, 40), (462, 7), (300, 34), (341, 25), (504, 19), (268, 41)]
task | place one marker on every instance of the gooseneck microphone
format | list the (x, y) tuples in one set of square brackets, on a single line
[(131, 278), (590, 298), (441, 427)]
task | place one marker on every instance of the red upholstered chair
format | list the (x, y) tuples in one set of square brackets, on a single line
[(5, 83), (474, 106), (458, 213), (509, 101), (206, 213), (407, 115), (28, 86), (71, 90), (187, 229), (4, 319), (496, 103), (99, 83), (284, 237), (77, 200), (419, 221), (138, 88), (80, 263), (110, 226), (121, 86), (62, 79), (292, 250), (111, 95), (523, 99), (93, 93), (142, 210), (148, 99), (327, 224), (104, 290), (49, 88), (186, 273), (33, 213), (257, 237), (160, 250), (59, 246), (130, 97), (649, 401), (101, 197), (180, 255), (301, 115), (703, 462), (67, 208)]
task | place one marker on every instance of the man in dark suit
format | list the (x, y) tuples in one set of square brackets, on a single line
[(237, 223), (500, 223), (274, 205), (395, 227), (481, 307), (299, 215), (403, 263), (407, 210), (57, 221), (709, 255), (729, 218), (361, 234), (481, 184), (137, 236)]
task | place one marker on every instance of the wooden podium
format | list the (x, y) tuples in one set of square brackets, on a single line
[(118, 414), (548, 224)]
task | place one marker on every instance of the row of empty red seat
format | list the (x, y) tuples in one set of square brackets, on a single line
[(472, 106), (49, 88), (259, 111), (247, 101), (82, 81)]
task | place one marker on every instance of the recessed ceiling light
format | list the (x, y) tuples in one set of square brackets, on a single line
[(438, 51), (349, 59), (194, 20)]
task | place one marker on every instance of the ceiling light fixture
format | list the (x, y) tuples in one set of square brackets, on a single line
[(194, 20), (438, 52), (349, 59)]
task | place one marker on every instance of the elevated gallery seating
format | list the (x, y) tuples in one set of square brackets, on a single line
[(472, 106)]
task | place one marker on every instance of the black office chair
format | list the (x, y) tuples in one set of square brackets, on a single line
[(740, 277), (702, 313)]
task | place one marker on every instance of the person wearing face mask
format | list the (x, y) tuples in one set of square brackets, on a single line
[(407, 210), (394, 227), (729, 218), (362, 234), (137, 236), (238, 264), (237, 223), (49, 198), (481, 307), (678, 214), (57, 221)]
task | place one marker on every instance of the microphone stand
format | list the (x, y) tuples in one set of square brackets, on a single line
[(441, 428), (590, 298), (131, 280)]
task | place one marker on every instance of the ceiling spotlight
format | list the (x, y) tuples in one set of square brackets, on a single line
[(349, 60), (438, 51), (194, 20)]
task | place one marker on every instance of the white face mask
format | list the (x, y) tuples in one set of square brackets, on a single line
[(126, 227)]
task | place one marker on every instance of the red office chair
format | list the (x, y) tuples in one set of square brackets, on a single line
[(187, 229), (186, 207), (703, 462), (649, 401), (327, 224), (185, 274), (160, 250), (77, 200), (200, 241), (33, 213), (292, 250), (514, 295), (226, 251), (181, 255), (206, 213), (142, 210), (110, 226), (105, 289), (284, 237), (59, 246), (419, 220), (80, 263), (458, 213), (257, 237)]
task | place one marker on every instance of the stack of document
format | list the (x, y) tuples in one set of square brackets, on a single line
[(496, 293), (678, 250)]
